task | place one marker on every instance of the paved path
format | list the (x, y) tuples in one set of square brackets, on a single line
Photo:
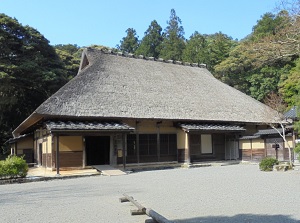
[(43, 172), (108, 170), (238, 193)]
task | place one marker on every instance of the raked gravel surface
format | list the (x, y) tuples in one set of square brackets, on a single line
[(236, 193)]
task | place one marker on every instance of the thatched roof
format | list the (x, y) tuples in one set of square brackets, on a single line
[(118, 86)]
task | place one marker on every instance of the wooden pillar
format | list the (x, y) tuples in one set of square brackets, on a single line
[(236, 146), (251, 155), (230, 148), (124, 150), (188, 158), (83, 153), (294, 155), (36, 156), (225, 147), (158, 141), (266, 148), (137, 142), (238, 143), (57, 155)]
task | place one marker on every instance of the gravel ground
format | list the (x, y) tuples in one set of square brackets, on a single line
[(238, 193)]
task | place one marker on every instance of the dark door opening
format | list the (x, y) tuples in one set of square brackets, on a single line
[(28, 155), (97, 150)]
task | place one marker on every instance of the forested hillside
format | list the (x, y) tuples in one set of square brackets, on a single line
[(265, 64)]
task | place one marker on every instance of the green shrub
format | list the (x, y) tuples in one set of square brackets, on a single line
[(13, 167), (267, 164)]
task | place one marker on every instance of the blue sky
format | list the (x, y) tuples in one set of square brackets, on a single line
[(104, 22)]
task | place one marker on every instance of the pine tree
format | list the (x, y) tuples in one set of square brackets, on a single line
[(130, 43), (174, 41), (150, 45), (196, 50)]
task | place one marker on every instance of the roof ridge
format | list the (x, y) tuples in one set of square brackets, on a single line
[(131, 55)]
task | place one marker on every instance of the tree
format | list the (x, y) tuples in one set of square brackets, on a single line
[(196, 49), (218, 49), (208, 49), (291, 6), (174, 41), (290, 86), (275, 101), (269, 24), (257, 73), (281, 44), (30, 71), (267, 79), (236, 69), (70, 55), (150, 45), (130, 43)]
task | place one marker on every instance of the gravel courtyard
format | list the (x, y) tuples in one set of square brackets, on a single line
[(237, 193)]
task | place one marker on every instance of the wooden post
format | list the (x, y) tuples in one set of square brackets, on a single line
[(137, 142), (294, 157), (188, 159), (266, 147), (238, 155), (251, 155), (57, 155), (83, 153), (225, 146), (230, 148), (36, 138), (124, 151), (158, 141)]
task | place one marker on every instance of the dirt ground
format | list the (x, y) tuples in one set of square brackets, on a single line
[(237, 193)]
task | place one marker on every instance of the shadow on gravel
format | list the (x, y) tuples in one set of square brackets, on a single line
[(247, 218)]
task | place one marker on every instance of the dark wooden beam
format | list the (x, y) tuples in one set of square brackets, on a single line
[(16, 149), (188, 150), (57, 155), (137, 141), (251, 155), (124, 150), (158, 140)]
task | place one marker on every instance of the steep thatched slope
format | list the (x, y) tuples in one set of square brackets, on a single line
[(115, 86)]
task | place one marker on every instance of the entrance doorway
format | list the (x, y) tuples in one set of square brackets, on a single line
[(97, 150)]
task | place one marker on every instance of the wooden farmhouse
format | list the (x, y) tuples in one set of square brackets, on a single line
[(121, 109), (268, 142)]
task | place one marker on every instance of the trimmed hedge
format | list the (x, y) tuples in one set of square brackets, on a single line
[(267, 164), (13, 167)]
